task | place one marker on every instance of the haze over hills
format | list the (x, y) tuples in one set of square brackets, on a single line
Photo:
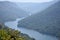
[(33, 8), (9, 10), (47, 21)]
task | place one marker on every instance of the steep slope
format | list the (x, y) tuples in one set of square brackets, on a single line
[(11, 34), (47, 21), (9, 10), (33, 8)]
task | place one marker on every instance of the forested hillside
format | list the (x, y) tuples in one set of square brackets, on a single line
[(46, 22), (10, 11), (11, 34)]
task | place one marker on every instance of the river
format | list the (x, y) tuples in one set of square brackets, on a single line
[(31, 33)]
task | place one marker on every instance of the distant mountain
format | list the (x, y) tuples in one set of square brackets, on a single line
[(9, 10), (33, 8), (47, 21)]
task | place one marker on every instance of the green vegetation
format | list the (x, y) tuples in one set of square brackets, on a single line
[(11, 34)]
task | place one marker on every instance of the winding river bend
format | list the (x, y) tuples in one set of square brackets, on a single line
[(31, 33)]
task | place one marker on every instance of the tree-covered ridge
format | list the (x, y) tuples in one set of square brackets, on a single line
[(10, 34), (9, 11), (45, 22)]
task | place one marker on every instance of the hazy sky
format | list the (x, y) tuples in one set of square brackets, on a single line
[(28, 0)]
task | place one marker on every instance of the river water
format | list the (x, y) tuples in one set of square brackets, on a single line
[(31, 33)]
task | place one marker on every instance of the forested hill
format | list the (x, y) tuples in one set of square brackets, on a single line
[(47, 21), (9, 10)]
